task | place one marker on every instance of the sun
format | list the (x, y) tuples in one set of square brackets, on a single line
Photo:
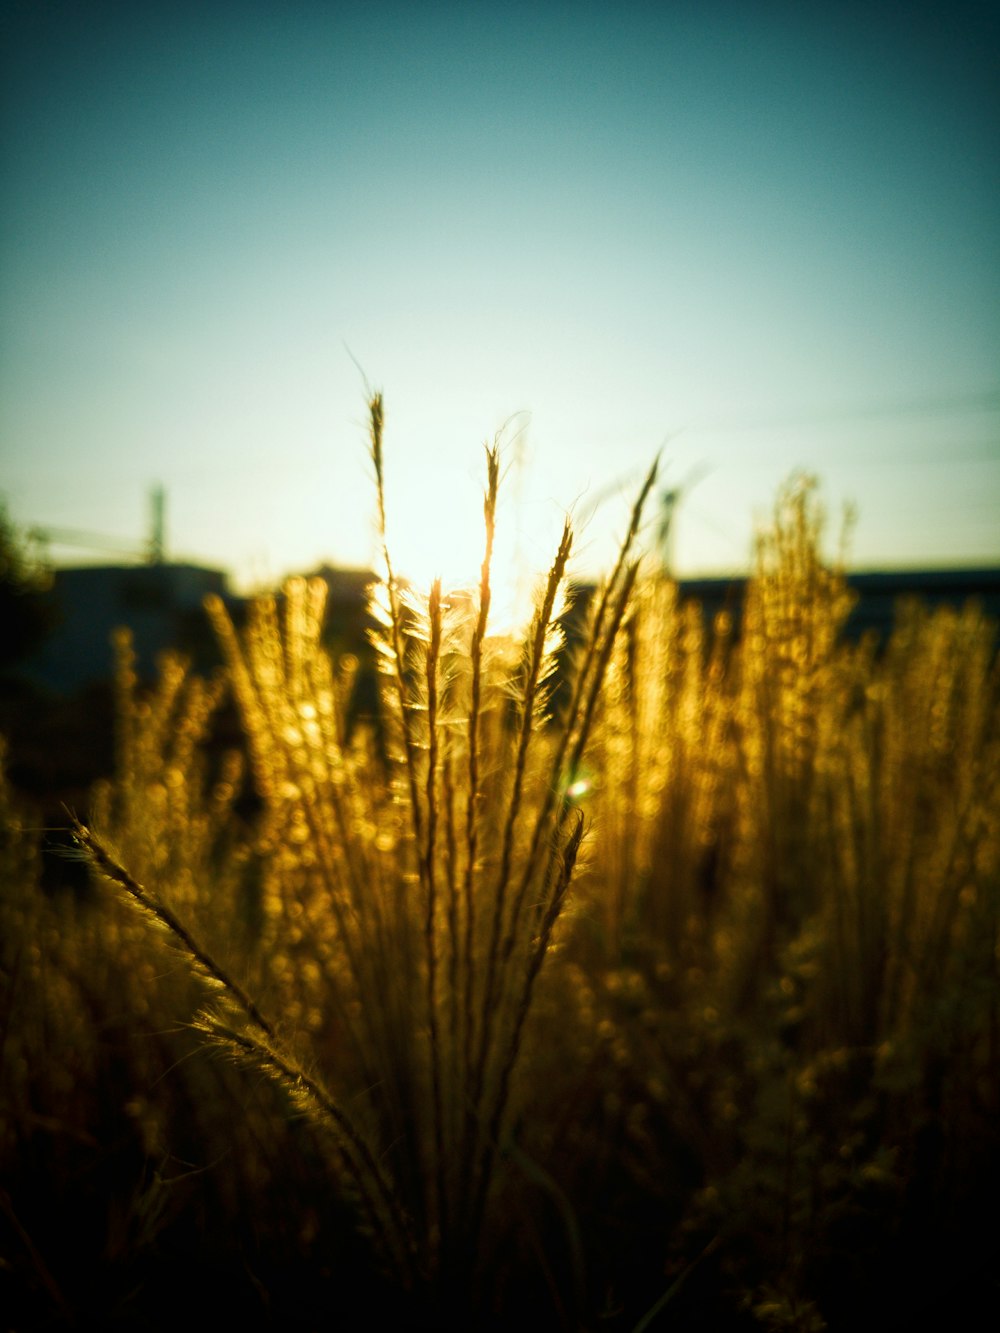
[(435, 529)]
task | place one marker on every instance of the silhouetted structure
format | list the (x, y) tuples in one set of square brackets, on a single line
[(160, 603), (878, 594)]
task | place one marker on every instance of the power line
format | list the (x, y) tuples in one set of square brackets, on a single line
[(983, 401)]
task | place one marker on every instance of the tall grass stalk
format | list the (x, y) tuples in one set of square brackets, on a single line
[(415, 952)]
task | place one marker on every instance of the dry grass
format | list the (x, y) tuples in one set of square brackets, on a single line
[(668, 994)]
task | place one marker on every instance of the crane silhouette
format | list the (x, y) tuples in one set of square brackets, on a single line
[(153, 552)]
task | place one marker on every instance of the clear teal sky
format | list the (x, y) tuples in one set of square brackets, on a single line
[(772, 229)]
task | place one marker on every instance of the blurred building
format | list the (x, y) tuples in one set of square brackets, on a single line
[(163, 606), (877, 593), (160, 603), (347, 618)]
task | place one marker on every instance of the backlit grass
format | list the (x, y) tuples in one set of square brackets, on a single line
[(645, 981)]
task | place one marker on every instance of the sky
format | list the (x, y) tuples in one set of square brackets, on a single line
[(759, 237)]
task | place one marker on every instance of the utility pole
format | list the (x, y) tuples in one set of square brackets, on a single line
[(157, 534)]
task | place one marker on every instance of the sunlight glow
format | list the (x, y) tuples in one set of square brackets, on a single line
[(436, 530)]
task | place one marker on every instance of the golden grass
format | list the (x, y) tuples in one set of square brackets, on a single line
[(591, 1000)]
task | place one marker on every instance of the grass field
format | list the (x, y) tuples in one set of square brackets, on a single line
[(647, 980)]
